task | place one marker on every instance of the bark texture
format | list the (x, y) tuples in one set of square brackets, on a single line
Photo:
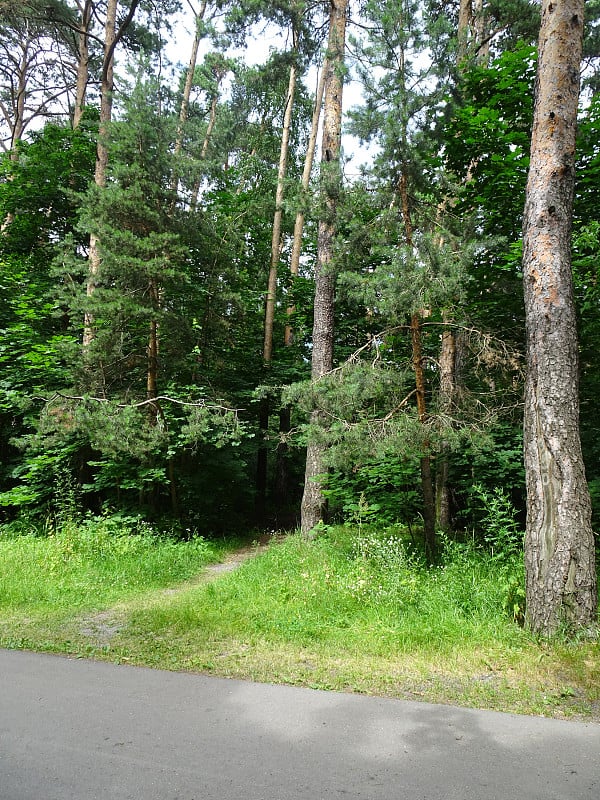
[(83, 61), (559, 543), (313, 503)]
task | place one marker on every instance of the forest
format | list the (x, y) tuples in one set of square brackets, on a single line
[(262, 267)]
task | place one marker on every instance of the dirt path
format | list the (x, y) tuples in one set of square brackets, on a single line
[(101, 627)]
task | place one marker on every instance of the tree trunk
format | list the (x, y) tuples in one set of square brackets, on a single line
[(106, 92), (278, 216), (187, 91), (83, 59), (559, 543), (285, 414), (447, 393), (313, 502), (425, 460), (306, 172), (153, 347), (212, 118), (427, 486), (465, 27), (271, 296)]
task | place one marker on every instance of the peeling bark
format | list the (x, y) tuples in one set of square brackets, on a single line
[(559, 543)]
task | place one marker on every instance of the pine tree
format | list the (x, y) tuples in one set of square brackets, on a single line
[(559, 543)]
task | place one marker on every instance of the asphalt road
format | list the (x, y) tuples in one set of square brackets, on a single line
[(84, 730)]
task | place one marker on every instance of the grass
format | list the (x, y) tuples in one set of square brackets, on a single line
[(347, 611)]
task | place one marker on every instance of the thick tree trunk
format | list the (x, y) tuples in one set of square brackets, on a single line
[(465, 27), (313, 502), (472, 33), (559, 543)]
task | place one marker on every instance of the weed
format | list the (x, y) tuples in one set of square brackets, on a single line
[(501, 530)]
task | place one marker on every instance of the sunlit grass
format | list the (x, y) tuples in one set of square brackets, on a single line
[(345, 611), (91, 565)]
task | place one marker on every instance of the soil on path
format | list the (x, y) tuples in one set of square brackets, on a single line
[(101, 627)]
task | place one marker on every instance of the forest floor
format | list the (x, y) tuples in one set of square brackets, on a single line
[(286, 611)]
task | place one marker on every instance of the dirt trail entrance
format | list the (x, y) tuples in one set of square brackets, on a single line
[(100, 628)]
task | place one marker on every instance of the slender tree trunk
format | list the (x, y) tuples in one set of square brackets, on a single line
[(425, 460), (285, 414), (278, 216), (313, 503), (204, 150), (106, 98), (447, 392), (306, 172), (469, 33), (18, 123), (153, 348), (83, 60), (427, 486), (271, 296), (559, 543), (187, 90)]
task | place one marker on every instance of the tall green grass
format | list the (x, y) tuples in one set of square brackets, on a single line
[(353, 609), (91, 563), (350, 592)]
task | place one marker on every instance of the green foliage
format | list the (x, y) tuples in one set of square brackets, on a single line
[(382, 569), (501, 531), (384, 491), (486, 464), (344, 591)]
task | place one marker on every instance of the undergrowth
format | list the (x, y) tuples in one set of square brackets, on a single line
[(91, 562), (347, 591)]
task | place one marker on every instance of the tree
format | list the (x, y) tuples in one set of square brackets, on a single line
[(113, 33), (313, 502), (559, 542)]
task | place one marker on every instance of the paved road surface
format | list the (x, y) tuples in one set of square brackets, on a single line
[(81, 730)]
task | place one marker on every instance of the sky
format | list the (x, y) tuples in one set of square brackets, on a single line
[(266, 39)]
